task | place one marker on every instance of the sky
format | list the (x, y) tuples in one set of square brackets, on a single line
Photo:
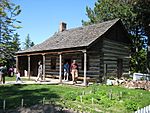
[(41, 18)]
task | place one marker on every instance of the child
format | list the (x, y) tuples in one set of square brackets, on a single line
[(18, 76)]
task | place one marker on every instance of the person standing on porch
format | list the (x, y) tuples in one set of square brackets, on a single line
[(66, 71), (74, 71), (40, 70)]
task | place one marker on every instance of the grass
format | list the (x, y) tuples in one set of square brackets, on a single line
[(13, 78), (96, 98)]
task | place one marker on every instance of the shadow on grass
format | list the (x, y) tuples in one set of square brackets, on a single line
[(13, 95)]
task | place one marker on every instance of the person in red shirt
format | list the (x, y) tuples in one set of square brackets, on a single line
[(74, 71)]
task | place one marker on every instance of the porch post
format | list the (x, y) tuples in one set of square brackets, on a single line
[(60, 68), (29, 67), (85, 68), (43, 66), (17, 63)]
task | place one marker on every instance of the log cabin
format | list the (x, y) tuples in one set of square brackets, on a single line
[(100, 50)]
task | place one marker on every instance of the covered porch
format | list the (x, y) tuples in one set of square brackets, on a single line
[(52, 64)]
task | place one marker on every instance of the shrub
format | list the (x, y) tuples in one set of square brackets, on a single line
[(106, 102), (131, 105), (111, 77)]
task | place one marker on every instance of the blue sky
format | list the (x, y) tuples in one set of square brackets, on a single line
[(41, 18)]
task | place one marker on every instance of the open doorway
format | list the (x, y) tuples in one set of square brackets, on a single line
[(69, 62)]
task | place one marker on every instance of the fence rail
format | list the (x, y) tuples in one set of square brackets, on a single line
[(144, 110)]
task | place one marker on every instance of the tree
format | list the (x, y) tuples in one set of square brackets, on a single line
[(32, 44), (110, 9), (134, 16), (8, 26), (138, 61), (16, 43), (143, 12), (28, 43)]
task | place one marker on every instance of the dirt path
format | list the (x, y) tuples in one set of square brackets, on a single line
[(40, 109)]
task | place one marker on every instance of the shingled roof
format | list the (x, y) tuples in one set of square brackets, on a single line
[(72, 38)]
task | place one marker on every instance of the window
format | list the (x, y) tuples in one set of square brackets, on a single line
[(53, 63)]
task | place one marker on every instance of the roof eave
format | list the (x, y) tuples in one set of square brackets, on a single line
[(53, 50)]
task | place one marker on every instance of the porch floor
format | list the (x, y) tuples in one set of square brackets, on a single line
[(50, 81)]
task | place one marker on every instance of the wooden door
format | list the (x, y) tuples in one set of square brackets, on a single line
[(119, 67)]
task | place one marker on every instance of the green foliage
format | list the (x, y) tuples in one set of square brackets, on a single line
[(106, 102), (70, 95), (111, 77), (9, 39), (138, 61), (94, 88), (131, 105), (110, 9), (142, 9), (2, 61), (28, 43), (134, 15)]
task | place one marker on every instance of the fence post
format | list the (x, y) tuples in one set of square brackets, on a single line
[(144, 109), (90, 91), (92, 100), (110, 94), (121, 94), (81, 98), (43, 100), (4, 105), (139, 111), (22, 101), (83, 93)]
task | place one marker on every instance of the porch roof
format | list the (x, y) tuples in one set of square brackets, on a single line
[(73, 38)]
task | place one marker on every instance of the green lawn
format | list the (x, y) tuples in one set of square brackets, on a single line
[(13, 78), (96, 98)]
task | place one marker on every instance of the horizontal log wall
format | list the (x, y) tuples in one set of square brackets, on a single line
[(93, 60), (48, 70), (113, 51), (93, 66)]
